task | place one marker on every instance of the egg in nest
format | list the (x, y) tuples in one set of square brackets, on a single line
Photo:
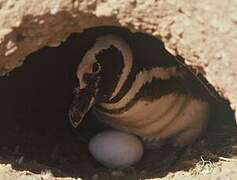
[(116, 149)]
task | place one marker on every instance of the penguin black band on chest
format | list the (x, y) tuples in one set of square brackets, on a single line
[(135, 85)]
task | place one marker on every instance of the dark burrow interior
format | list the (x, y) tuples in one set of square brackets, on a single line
[(35, 133)]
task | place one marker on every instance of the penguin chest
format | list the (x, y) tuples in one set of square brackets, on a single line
[(160, 118)]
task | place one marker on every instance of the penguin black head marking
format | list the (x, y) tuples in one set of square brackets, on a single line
[(101, 74)]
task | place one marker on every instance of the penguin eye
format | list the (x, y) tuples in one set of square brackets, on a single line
[(96, 67)]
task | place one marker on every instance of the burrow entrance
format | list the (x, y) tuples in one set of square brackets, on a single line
[(35, 133)]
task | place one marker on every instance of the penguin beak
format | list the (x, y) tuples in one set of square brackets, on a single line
[(82, 102)]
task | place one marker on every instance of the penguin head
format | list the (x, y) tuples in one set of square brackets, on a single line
[(101, 74)]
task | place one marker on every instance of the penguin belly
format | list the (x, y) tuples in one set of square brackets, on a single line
[(174, 116)]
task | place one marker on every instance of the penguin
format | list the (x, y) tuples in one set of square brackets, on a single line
[(133, 84)]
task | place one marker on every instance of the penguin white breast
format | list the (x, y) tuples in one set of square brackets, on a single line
[(161, 118)]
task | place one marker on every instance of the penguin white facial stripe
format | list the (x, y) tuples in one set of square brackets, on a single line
[(142, 78)]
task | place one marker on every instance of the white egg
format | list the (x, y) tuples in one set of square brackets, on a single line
[(116, 149)]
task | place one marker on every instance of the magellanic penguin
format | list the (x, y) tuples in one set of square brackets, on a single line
[(135, 85)]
